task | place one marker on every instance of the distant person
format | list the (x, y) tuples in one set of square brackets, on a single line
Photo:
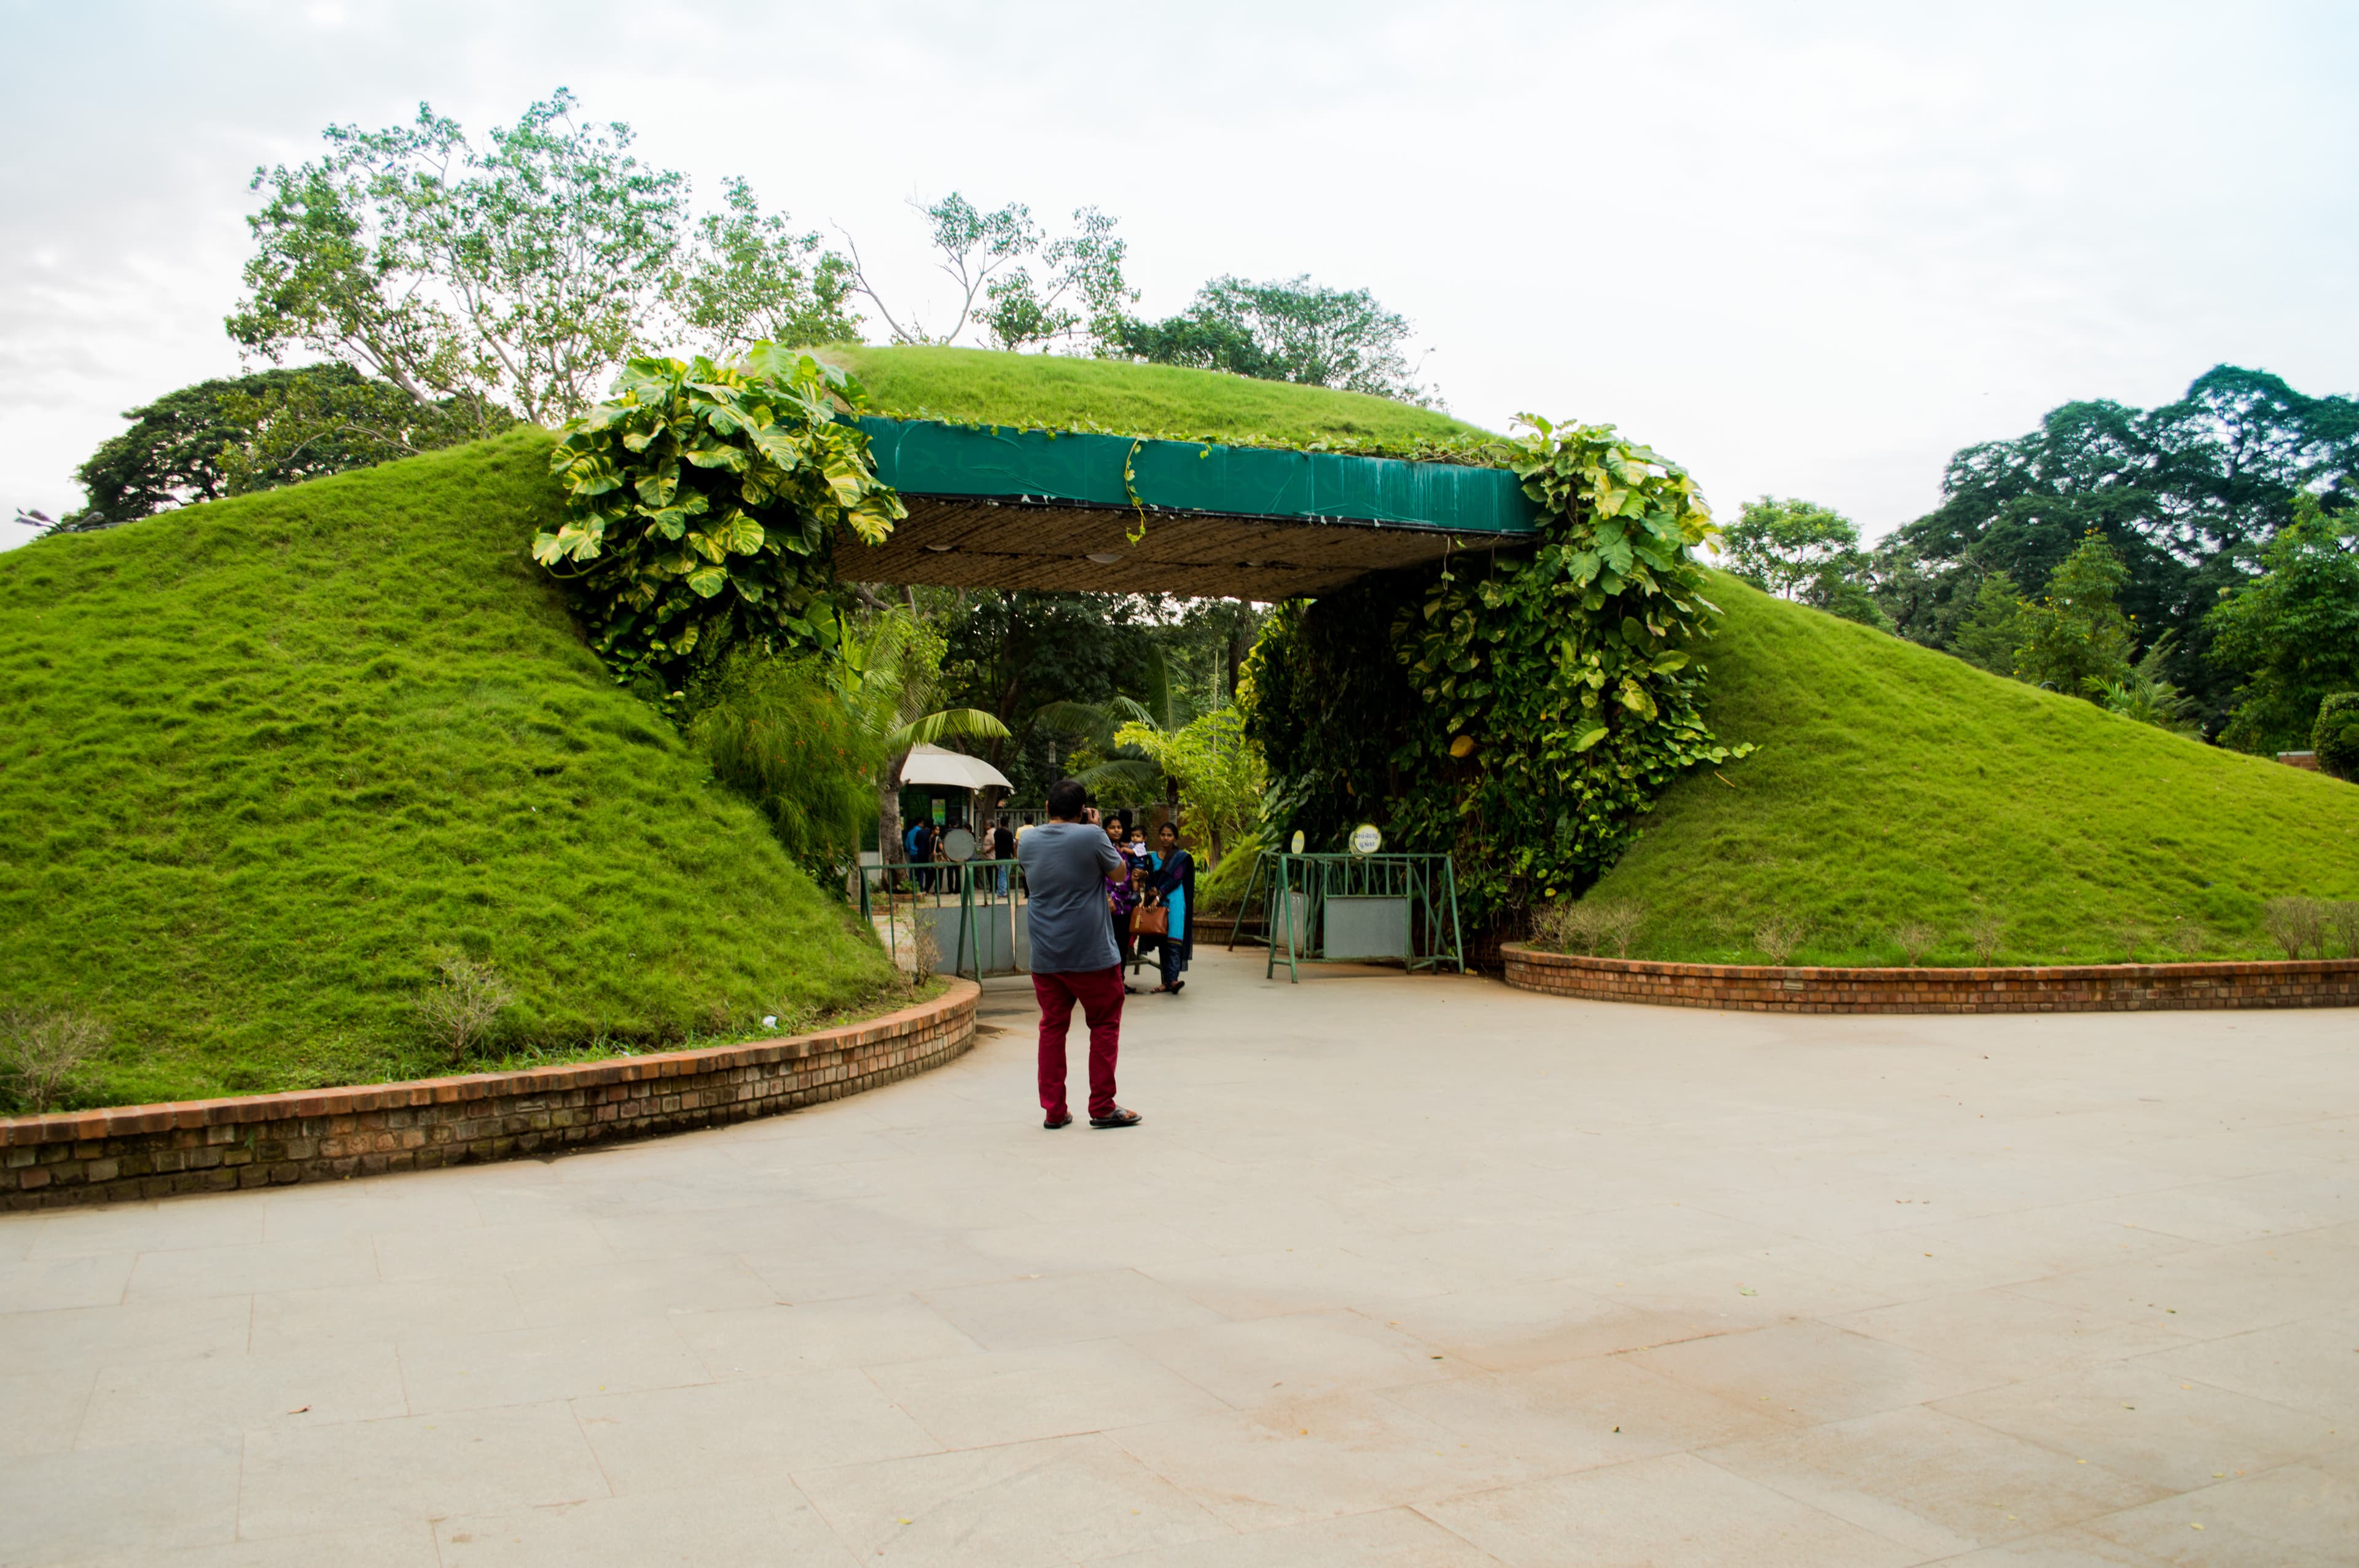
[(1173, 886), (1122, 897), (1066, 862), (1003, 848)]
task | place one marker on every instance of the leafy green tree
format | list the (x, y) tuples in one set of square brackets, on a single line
[(778, 731), (2335, 736), (258, 432), (989, 256), (2076, 639), (2186, 494), (1218, 770), (1012, 653), (754, 280), (1987, 635), (2292, 634), (1284, 329), (1784, 546), (2146, 694)]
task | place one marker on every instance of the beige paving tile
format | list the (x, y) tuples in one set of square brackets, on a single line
[(408, 1545), (231, 1220), (490, 1249), (2294, 1517), (756, 1229), (526, 1366), (1315, 1277), (1015, 1396), (53, 1284), (1603, 1409), (363, 1208), (413, 1469), (1932, 1481), (1056, 1309), (1298, 1357), (1294, 1460), (242, 1270), (41, 1411), (152, 1498), (1397, 1538), (1658, 1513), (378, 1311), (2011, 1335), (18, 1232), (1512, 1327), (2244, 1208), (1811, 1372), (226, 1395), (751, 1431), (112, 1336), (2312, 1366), (2139, 1420), (878, 1265), (1057, 1500), (853, 1331), (2071, 1547), (635, 1289), (712, 1526), (2209, 1292)]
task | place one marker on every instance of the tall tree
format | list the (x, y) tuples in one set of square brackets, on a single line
[(1285, 329), (275, 428), (2076, 639), (2185, 494), (1077, 299), (2290, 636), (753, 279)]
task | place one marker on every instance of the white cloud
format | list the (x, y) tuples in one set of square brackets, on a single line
[(1807, 249)]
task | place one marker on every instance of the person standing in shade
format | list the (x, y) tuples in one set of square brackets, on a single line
[(1066, 862), (1173, 886), (1003, 848)]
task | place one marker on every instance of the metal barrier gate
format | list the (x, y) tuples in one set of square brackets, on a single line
[(1330, 908)]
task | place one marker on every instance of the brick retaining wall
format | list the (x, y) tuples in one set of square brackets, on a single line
[(253, 1140), (2091, 988)]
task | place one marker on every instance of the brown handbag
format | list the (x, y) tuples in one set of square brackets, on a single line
[(1150, 920)]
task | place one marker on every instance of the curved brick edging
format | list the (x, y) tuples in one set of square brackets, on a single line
[(252, 1140), (2087, 987)]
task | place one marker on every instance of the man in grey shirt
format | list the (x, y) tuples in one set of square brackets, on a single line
[(1066, 862)]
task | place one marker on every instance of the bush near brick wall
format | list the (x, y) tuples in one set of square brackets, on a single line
[(2091, 988), (253, 1140)]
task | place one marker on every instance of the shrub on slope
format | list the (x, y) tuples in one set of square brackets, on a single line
[(1054, 389), (261, 759), (1896, 785)]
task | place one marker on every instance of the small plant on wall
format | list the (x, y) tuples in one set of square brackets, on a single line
[(702, 505)]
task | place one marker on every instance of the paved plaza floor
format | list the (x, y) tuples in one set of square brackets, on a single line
[(1414, 1271)]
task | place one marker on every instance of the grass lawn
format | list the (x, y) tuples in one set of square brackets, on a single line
[(1053, 390), (1896, 784), (261, 761)]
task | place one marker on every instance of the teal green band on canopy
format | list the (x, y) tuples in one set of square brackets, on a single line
[(922, 457)]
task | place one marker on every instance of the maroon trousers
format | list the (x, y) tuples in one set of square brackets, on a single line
[(1100, 993)]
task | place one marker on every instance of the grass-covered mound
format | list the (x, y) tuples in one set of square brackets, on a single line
[(261, 761), (1898, 785), (976, 385)]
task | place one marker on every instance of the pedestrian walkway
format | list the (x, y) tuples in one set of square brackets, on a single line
[(1414, 1271)]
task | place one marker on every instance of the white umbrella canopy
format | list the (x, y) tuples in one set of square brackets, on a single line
[(933, 765)]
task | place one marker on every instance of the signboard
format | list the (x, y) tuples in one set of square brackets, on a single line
[(941, 811), (959, 844), (1366, 840), (1298, 840)]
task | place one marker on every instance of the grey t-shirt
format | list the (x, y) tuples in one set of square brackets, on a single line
[(1065, 868)]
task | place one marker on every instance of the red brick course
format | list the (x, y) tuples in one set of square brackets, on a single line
[(253, 1140), (2088, 988)]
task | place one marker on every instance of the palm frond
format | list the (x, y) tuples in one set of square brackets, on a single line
[(971, 723)]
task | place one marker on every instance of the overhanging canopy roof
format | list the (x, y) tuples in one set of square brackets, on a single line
[(1009, 508), (933, 765)]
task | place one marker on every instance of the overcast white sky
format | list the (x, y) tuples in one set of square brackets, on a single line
[(1806, 249)]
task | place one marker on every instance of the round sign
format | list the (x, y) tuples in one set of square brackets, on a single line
[(958, 844), (1298, 840), (1366, 840)]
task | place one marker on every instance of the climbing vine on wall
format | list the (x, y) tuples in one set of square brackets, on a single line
[(1521, 713), (702, 505)]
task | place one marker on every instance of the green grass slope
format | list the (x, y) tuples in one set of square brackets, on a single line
[(260, 760), (1054, 389), (1896, 784)]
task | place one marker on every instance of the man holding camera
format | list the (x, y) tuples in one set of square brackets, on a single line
[(1066, 862)]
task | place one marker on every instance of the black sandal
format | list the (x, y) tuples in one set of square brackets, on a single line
[(1117, 1118)]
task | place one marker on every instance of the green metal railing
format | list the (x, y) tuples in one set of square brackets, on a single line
[(983, 893), (1338, 908)]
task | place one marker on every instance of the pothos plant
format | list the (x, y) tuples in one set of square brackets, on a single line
[(1547, 701), (702, 505)]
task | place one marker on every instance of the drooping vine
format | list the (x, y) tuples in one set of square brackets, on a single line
[(1522, 713)]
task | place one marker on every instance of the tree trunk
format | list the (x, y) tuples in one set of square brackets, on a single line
[(889, 816)]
